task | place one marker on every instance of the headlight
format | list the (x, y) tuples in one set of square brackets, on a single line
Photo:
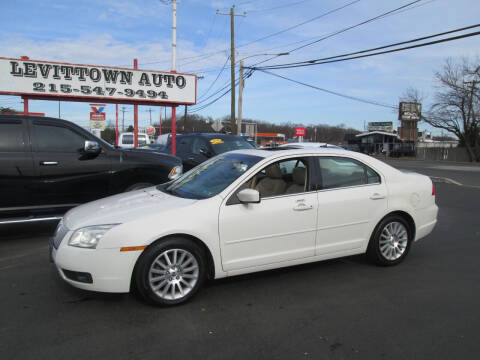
[(175, 172), (88, 237)]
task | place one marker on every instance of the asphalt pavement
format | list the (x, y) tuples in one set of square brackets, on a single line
[(425, 308)]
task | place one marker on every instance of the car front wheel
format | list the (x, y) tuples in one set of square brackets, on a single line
[(170, 272), (390, 242)]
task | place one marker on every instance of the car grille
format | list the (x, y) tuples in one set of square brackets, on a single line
[(59, 234)]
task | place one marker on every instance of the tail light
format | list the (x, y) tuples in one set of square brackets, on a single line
[(433, 189)]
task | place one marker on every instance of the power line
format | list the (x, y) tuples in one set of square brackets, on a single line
[(366, 101), (335, 58), (210, 54), (214, 81), (300, 24), (278, 7), (359, 24), (246, 75), (283, 46), (378, 17)]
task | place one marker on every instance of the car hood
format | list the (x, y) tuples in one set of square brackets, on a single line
[(122, 208)]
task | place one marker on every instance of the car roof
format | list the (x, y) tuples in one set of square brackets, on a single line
[(266, 153), (33, 117), (308, 145), (340, 152), (209, 135)]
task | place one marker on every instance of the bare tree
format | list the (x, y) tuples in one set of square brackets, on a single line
[(412, 95), (456, 107)]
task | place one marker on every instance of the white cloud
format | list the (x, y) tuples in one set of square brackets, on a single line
[(103, 50)]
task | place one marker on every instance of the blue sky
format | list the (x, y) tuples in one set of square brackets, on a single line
[(113, 32)]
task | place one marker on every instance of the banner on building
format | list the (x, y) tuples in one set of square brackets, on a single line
[(381, 126)]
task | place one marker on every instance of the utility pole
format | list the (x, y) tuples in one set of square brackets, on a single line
[(160, 122), (241, 85), (123, 118), (174, 69), (232, 62), (240, 97), (150, 111), (185, 120)]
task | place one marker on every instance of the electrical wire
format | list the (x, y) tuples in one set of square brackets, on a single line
[(214, 81), (210, 54), (245, 76), (337, 59), (300, 24), (366, 101), (378, 17), (278, 7)]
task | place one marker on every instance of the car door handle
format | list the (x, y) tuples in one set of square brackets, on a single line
[(302, 207), (48, 163), (377, 196), (191, 158)]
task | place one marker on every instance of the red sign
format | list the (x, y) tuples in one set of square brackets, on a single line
[(300, 131), (97, 117), (150, 130), (97, 113)]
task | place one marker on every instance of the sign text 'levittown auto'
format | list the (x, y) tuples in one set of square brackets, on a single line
[(51, 79)]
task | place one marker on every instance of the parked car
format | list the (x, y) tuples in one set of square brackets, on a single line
[(125, 140), (308, 145), (195, 148), (50, 165), (241, 212)]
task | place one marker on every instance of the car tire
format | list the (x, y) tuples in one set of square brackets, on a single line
[(138, 186), (390, 241), (169, 272)]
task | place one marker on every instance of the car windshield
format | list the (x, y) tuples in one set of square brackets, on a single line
[(224, 144), (128, 139), (211, 177)]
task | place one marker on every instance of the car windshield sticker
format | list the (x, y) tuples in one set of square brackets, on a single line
[(216, 141)]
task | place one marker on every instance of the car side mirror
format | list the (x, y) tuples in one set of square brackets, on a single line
[(205, 152), (249, 196), (91, 147)]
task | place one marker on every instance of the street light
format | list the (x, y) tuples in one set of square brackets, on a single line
[(241, 85)]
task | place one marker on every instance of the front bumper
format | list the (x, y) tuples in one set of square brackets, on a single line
[(110, 269)]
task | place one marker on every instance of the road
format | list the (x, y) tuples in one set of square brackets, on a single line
[(425, 308)]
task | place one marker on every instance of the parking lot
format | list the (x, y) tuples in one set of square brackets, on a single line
[(425, 308)]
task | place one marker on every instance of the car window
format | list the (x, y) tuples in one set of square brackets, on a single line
[(127, 139), (211, 177), (183, 144), (142, 139), (227, 143), (287, 166), (372, 176), (198, 144), (52, 138), (281, 178), (339, 172), (11, 136)]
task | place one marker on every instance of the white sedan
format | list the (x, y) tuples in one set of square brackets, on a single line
[(241, 212)]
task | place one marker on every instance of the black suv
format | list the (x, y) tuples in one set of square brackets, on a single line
[(195, 148), (50, 165)]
